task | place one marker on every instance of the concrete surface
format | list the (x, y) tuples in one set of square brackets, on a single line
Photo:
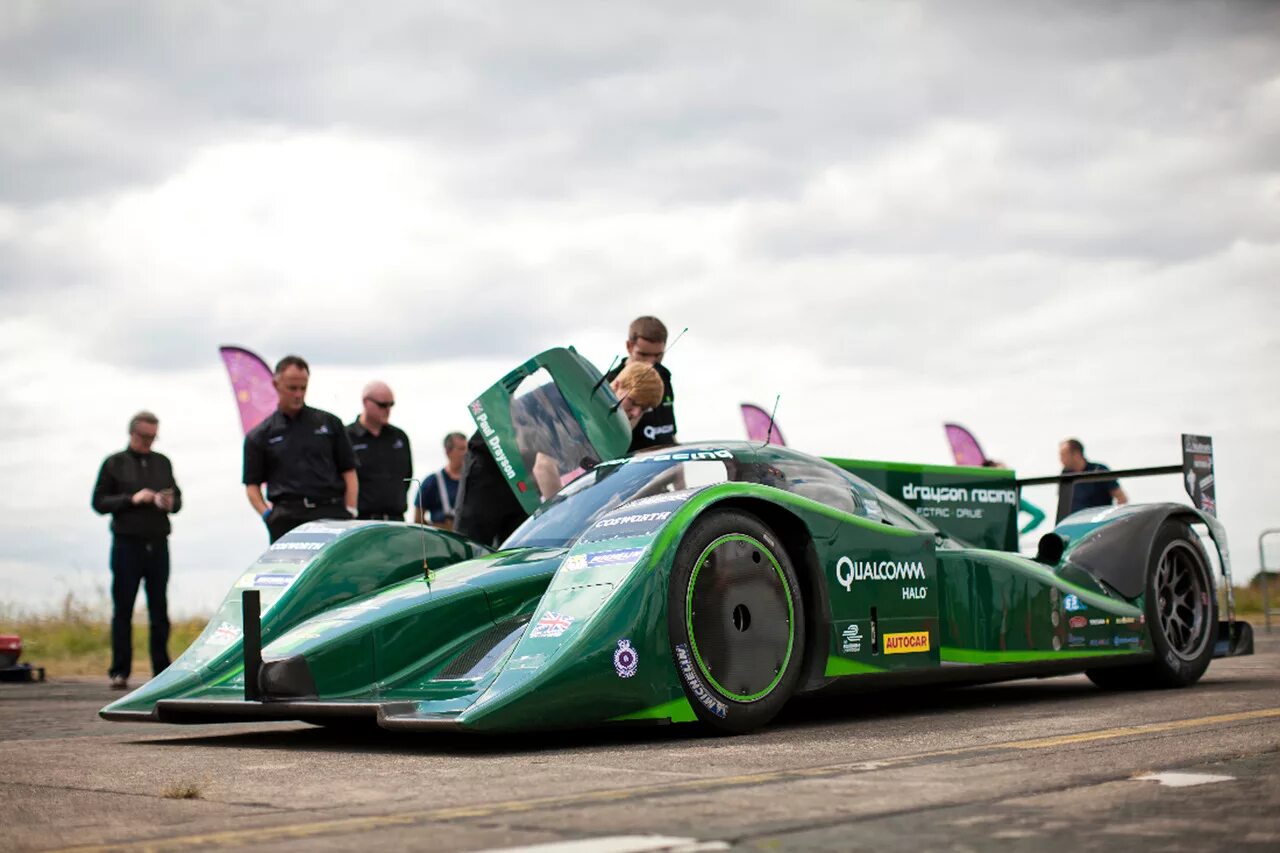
[(1026, 765)]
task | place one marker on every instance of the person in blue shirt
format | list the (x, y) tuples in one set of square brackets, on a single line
[(1073, 497), (438, 495)]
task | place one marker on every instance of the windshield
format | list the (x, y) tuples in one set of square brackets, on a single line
[(563, 518)]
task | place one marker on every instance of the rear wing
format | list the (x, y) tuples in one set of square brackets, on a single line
[(1196, 470), (976, 505), (565, 416)]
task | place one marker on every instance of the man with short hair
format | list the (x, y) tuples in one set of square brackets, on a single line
[(137, 488), (647, 342), (438, 494), (304, 457), (1073, 497), (384, 462)]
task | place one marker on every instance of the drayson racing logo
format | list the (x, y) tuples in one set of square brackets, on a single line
[(848, 571), (903, 644), (685, 662), (958, 494)]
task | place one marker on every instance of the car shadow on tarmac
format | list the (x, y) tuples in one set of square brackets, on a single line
[(802, 716)]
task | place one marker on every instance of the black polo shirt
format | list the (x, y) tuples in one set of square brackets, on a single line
[(383, 464), (299, 457), (658, 427), (1073, 497)]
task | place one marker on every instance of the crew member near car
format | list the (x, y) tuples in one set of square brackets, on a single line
[(1073, 497), (384, 462), (303, 456), (647, 343), (438, 495), (137, 488), (488, 511)]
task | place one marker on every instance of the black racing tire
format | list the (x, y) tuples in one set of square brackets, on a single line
[(1181, 609), (736, 621)]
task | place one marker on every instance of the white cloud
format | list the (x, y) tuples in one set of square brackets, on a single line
[(1051, 221)]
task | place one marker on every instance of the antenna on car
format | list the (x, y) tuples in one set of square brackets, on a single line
[(596, 387), (769, 435), (422, 513)]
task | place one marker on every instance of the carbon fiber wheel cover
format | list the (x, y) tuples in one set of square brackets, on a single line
[(740, 618)]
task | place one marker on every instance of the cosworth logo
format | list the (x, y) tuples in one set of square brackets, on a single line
[(848, 571), (901, 644), (958, 494), (629, 519)]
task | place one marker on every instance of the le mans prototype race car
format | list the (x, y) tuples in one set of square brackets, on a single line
[(708, 582)]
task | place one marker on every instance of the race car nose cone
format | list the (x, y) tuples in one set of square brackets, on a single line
[(286, 679)]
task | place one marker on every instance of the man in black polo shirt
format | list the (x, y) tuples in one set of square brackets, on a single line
[(137, 488), (1073, 497), (384, 463), (647, 342), (304, 457)]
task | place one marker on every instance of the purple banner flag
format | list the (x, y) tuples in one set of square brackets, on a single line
[(759, 428), (251, 382), (964, 446)]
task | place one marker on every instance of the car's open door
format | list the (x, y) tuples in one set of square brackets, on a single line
[(548, 419)]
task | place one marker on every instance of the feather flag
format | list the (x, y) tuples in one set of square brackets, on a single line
[(251, 382), (964, 446), (759, 427)]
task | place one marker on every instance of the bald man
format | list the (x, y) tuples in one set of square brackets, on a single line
[(383, 461)]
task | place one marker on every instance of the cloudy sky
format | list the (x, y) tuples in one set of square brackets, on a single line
[(1038, 219)]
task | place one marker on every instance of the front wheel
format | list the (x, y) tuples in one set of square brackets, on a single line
[(736, 621), (1181, 611)]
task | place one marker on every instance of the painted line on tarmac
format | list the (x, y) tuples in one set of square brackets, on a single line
[(351, 825)]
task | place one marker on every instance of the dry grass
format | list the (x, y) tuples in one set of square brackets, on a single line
[(76, 638), (182, 791)]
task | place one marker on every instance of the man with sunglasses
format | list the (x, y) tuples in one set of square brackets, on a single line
[(384, 462), (304, 457), (136, 487), (647, 343)]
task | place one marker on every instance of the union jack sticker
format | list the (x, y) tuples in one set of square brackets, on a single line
[(551, 624)]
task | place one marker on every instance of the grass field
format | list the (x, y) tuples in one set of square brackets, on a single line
[(76, 640)]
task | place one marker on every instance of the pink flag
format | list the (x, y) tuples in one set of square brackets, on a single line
[(252, 385), (758, 426), (964, 446)]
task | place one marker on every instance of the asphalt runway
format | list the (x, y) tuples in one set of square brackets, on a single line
[(1025, 765)]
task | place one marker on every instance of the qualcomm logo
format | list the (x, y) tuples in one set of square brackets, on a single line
[(847, 571)]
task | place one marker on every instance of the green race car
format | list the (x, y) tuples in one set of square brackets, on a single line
[(707, 582)]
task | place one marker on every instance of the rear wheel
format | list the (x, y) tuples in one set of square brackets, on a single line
[(735, 617), (1181, 612)]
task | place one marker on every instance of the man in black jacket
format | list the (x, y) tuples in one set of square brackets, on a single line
[(136, 487)]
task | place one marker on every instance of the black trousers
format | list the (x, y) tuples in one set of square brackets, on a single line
[(286, 516), (137, 561)]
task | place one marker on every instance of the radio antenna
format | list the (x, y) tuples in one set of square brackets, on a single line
[(768, 436), (422, 513), (596, 387)]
